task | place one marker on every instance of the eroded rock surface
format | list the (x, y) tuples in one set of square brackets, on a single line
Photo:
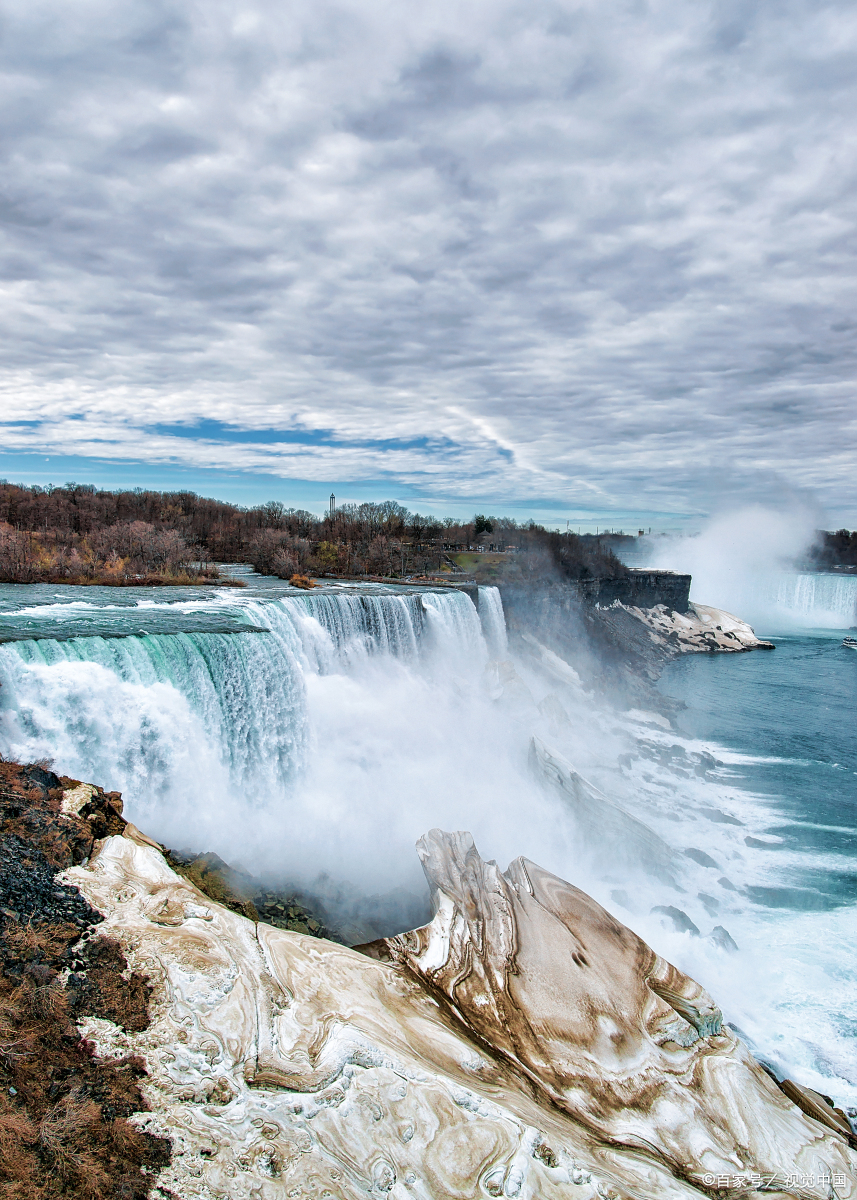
[(284, 1065), (523, 1044), (607, 1031)]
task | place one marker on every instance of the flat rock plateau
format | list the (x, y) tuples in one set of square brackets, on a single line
[(522, 1044)]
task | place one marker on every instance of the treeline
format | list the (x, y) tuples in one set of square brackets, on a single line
[(837, 549), (78, 534)]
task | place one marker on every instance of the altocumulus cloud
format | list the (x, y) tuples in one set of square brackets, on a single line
[(600, 254)]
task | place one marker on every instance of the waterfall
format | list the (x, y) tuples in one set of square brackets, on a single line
[(779, 601), (313, 737), (190, 722), (160, 718), (453, 624), (493, 621), (819, 601), (355, 626)]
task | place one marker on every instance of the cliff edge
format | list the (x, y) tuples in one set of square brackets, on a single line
[(522, 1044)]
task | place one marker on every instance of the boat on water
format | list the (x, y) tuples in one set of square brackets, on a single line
[(850, 642)]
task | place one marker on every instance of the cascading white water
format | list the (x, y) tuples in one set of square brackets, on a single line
[(356, 626), (143, 713), (320, 750), (195, 728), (818, 601), (493, 621)]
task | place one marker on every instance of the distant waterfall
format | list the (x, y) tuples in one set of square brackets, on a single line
[(819, 601), (774, 601)]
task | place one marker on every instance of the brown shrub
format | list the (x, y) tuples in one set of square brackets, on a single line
[(63, 1114)]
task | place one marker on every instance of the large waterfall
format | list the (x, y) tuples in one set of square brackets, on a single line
[(225, 740), (313, 737), (774, 600)]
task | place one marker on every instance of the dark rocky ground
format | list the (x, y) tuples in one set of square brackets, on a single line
[(63, 1115), (246, 894)]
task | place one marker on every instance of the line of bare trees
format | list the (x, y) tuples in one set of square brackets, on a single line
[(78, 534), (129, 551)]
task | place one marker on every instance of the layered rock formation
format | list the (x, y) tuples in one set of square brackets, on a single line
[(699, 629), (522, 1044), (631, 1049), (644, 588), (619, 641)]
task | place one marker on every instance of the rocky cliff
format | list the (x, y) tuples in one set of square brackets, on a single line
[(637, 588), (523, 1044), (620, 633)]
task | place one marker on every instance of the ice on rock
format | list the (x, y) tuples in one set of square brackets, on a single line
[(524, 1043)]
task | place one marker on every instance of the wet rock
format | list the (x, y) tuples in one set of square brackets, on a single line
[(245, 894), (723, 939), (541, 973), (621, 897), (820, 1108), (677, 917), (705, 762), (719, 817), (216, 879), (699, 856)]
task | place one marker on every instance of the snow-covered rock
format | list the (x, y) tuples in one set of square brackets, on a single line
[(701, 628), (524, 1044)]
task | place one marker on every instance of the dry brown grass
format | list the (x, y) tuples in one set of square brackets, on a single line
[(64, 1129)]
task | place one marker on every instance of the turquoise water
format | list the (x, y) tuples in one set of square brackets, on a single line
[(314, 736), (791, 713), (61, 612), (782, 728)]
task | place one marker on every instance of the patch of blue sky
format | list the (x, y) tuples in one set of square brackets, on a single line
[(220, 431)]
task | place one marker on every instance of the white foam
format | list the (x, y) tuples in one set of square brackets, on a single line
[(358, 722)]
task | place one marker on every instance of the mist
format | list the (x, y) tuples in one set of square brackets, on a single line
[(751, 561), (316, 754)]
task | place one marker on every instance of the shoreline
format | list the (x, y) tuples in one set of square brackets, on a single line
[(131, 581)]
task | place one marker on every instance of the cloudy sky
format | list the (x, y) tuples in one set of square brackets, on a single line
[(592, 260)]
